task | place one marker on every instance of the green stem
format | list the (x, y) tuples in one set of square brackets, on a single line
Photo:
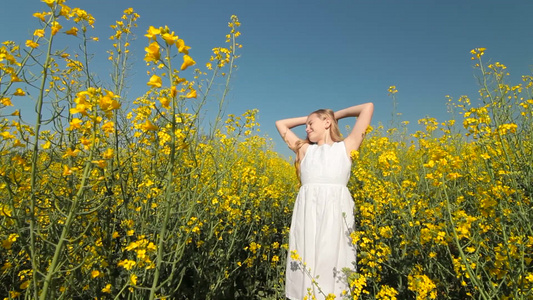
[(70, 218), (228, 78), (34, 166), (169, 187), (162, 235), (471, 273)]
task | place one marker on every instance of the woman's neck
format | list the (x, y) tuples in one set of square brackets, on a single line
[(326, 140)]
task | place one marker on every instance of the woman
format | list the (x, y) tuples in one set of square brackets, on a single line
[(319, 240)]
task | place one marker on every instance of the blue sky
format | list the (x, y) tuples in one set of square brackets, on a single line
[(299, 56)]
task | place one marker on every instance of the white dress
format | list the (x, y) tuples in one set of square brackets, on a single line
[(322, 221)]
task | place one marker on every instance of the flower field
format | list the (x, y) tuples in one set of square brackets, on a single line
[(108, 197)]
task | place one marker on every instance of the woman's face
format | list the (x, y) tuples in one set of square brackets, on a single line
[(316, 128)]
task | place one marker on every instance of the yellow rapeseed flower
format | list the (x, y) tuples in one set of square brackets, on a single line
[(182, 48), (151, 247), (170, 38), (6, 135), (71, 153), (7, 265), (254, 247), (152, 32), (6, 101), (187, 62), (6, 244), (31, 44), (477, 52), (108, 103), (15, 78), (66, 171), (56, 27), (100, 163), (127, 264), (155, 81), (72, 31), (164, 102), (173, 91), (148, 126), (50, 3), (422, 286), (25, 284), (132, 246), (133, 279), (108, 154), (19, 92), (108, 127), (5, 211), (357, 285), (152, 52), (75, 124), (65, 10), (191, 94), (387, 293), (39, 32), (295, 255), (41, 15), (107, 288)]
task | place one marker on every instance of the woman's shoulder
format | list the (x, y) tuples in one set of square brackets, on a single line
[(339, 144)]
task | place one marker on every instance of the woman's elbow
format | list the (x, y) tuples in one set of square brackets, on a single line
[(369, 107), (280, 124)]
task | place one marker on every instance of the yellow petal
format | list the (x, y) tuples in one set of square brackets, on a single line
[(6, 101), (173, 91), (72, 31), (152, 52), (187, 62), (19, 92), (149, 126), (50, 3), (155, 81), (191, 94), (152, 32), (31, 44), (39, 32), (165, 102), (182, 48), (170, 38), (40, 15)]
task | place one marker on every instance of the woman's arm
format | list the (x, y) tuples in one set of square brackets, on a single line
[(284, 128), (364, 113)]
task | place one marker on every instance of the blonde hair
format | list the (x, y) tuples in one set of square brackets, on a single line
[(334, 133)]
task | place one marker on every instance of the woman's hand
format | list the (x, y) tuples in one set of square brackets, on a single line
[(364, 113)]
